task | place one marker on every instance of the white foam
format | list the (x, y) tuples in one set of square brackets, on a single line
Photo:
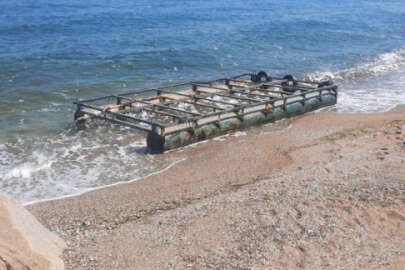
[(25, 170), (382, 63), (239, 133), (105, 186), (221, 138), (33, 167), (376, 85)]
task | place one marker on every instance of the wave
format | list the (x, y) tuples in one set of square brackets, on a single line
[(372, 86), (379, 65), (56, 164)]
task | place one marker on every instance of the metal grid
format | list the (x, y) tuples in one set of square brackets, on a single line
[(174, 108)]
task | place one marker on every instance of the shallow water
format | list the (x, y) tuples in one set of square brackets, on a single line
[(53, 52)]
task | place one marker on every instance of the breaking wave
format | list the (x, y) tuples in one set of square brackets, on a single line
[(58, 164), (373, 86), (381, 64)]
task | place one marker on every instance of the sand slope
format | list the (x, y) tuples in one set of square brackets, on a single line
[(24, 242), (321, 191)]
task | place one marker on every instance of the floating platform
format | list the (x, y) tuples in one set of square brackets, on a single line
[(177, 115)]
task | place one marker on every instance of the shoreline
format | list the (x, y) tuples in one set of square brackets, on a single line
[(176, 150), (89, 189), (227, 179), (183, 148), (103, 186)]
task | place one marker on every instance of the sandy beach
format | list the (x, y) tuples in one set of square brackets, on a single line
[(320, 191)]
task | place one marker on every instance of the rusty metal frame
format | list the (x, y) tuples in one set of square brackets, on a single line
[(213, 96)]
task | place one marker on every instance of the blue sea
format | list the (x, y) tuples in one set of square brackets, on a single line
[(54, 52)]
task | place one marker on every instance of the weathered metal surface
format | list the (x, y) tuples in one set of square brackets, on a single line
[(180, 114)]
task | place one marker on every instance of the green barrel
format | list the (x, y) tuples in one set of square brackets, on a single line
[(158, 143)]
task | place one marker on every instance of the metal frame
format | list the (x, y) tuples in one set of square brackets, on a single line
[(216, 100)]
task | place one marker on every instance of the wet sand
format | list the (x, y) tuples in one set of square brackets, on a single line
[(320, 191)]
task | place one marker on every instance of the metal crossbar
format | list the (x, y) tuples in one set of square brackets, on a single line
[(167, 110)]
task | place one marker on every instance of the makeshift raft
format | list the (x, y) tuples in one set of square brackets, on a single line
[(177, 115)]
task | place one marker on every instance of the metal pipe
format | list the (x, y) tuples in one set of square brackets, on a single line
[(120, 115), (269, 101), (232, 90), (250, 107), (118, 122)]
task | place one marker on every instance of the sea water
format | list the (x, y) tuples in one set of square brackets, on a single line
[(54, 52)]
